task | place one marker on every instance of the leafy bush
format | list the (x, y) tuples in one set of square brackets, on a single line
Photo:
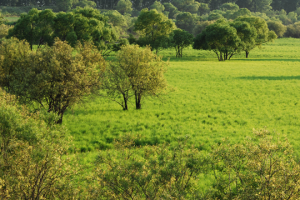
[(263, 170), (33, 155), (151, 172)]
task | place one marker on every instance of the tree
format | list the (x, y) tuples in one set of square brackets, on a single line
[(229, 6), (154, 28), (263, 33), (51, 77), (180, 40), (35, 27), (158, 6), (203, 8), (171, 9), (116, 85), (83, 24), (277, 27), (186, 21), (144, 70), (219, 37), (124, 6), (246, 33)]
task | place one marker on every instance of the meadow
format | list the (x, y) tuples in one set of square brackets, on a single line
[(211, 100)]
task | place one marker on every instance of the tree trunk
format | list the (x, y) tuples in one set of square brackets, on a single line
[(125, 107), (221, 57), (138, 101), (247, 54)]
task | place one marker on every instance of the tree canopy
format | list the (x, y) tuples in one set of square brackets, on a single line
[(154, 28), (52, 77)]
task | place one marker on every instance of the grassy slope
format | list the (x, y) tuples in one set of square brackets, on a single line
[(212, 100)]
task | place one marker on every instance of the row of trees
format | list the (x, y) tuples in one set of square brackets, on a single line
[(182, 5), (229, 38), (83, 24)]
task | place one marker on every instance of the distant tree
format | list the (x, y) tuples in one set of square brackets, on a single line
[(293, 30), (229, 6), (214, 16), (186, 21), (36, 27), (264, 35), (83, 24), (180, 40), (158, 6), (246, 33), (83, 3), (171, 9), (51, 77), (203, 8), (154, 28), (124, 6), (277, 27), (64, 5), (144, 70), (241, 12), (219, 37), (200, 26)]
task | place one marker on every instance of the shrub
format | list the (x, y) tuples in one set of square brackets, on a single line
[(263, 170), (151, 172), (33, 155)]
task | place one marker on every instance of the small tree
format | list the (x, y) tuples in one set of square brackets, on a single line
[(140, 68), (180, 40), (52, 76)]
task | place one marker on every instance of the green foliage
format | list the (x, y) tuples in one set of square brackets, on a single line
[(169, 7), (51, 77), (124, 6), (152, 172), (229, 6), (262, 30), (186, 21), (180, 40), (201, 26), (83, 3), (35, 27), (137, 71), (267, 170), (154, 28), (4, 30), (293, 30), (83, 24), (158, 6), (277, 27), (33, 155), (219, 37)]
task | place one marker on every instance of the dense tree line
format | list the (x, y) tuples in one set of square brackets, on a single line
[(253, 5)]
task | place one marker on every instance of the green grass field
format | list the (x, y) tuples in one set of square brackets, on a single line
[(12, 18), (212, 100)]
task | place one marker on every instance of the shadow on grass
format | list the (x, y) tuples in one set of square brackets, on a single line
[(271, 78), (186, 59), (268, 59)]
